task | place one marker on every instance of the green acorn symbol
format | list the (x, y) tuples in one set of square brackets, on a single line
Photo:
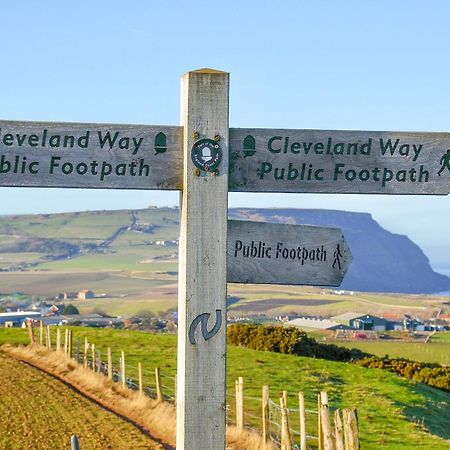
[(160, 143), (249, 146)]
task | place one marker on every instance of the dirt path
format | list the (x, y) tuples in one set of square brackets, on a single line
[(40, 412)]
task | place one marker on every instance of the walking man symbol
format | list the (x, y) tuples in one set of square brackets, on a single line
[(337, 257), (445, 161)]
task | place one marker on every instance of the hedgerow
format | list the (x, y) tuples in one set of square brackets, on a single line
[(296, 342)]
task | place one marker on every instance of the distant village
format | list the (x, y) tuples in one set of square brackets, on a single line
[(52, 311), (350, 325)]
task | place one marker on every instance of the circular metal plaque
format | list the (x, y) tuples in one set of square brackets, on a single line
[(206, 154)]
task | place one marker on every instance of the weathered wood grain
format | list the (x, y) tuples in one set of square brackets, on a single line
[(202, 269), (277, 160), (76, 155), (268, 253)]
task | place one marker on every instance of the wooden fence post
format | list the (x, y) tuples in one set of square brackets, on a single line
[(286, 443), (93, 357), (319, 425), (288, 415), (122, 369), (351, 429), (49, 338), (265, 414), (66, 341), (58, 339), (85, 353), (338, 430), (301, 403), (99, 361), (327, 432), (110, 368), (141, 383), (69, 347), (41, 332), (240, 404), (159, 393), (31, 332)]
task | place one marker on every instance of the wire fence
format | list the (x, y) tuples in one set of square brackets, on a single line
[(288, 425)]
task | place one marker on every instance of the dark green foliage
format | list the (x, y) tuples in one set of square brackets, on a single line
[(288, 340), (428, 373), (296, 342), (70, 310)]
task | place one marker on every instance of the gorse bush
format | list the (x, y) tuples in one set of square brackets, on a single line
[(288, 340), (296, 342), (427, 373)]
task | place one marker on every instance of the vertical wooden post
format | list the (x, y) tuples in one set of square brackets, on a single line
[(58, 339), (351, 429), (85, 354), (265, 414), (159, 393), (122, 369), (66, 341), (110, 368), (31, 332), (49, 338), (99, 361), (327, 432), (319, 424), (202, 265), (69, 345), (93, 357), (41, 332), (286, 443), (78, 345), (301, 401), (240, 404), (141, 383), (338, 430), (288, 417)]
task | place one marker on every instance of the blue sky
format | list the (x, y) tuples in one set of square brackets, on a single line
[(369, 65)]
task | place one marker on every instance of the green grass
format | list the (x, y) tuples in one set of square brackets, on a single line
[(434, 352), (390, 409)]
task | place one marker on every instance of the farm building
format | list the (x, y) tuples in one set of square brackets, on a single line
[(18, 317), (85, 294), (316, 324), (360, 321)]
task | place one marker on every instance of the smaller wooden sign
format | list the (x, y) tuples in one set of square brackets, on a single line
[(267, 253)]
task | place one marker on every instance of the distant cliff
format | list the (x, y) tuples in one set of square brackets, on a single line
[(382, 261)]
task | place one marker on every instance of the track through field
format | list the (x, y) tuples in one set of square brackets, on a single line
[(41, 413)]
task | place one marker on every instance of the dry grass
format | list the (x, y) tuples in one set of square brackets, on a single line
[(247, 440), (156, 418)]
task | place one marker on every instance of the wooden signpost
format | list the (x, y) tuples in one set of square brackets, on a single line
[(76, 155), (351, 162), (269, 253), (205, 159)]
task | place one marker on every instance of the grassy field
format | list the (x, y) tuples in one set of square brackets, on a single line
[(437, 350), (394, 413), (40, 412)]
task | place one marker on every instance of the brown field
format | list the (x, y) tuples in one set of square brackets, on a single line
[(39, 412)]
